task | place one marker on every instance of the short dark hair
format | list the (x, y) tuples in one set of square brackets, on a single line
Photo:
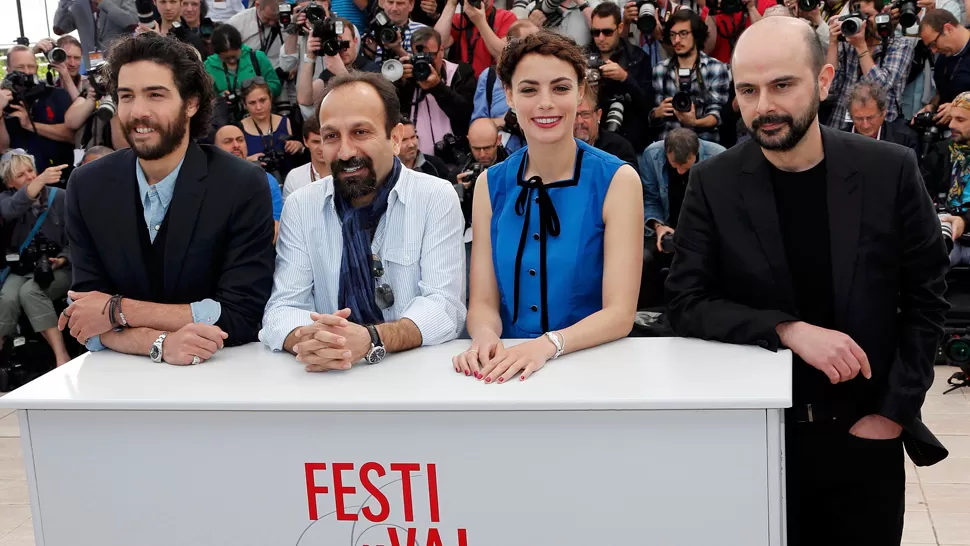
[(698, 28), (188, 72), (422, 35), (544, 43), (67, 40), (682, 143), (406, 121), (311, 126), (609, 9), (937, 18), (384, 88), (226, 37), (865, 92)]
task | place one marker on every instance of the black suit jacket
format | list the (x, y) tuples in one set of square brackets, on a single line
[(219, 243), (898, 132), (730, 282)]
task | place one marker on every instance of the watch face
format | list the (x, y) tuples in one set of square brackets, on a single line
[(375, 355)]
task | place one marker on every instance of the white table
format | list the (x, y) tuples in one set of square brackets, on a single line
[(644, 441)]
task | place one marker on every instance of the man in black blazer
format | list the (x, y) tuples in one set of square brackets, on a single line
[(868, 104), (172, 242), (825, 243)]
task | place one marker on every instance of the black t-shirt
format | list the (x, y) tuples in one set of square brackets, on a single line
[(48, 110), (620, 147), (676, 189), (952, 75), (801, 200)]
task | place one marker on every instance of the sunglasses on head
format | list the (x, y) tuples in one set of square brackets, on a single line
[(258, 80), (604, 31)]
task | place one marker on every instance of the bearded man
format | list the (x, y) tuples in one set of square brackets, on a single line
[(825, 243), (174, 241)]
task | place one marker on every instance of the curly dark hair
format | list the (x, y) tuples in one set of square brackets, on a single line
[(698, 28), (188, 72), (544, 43)]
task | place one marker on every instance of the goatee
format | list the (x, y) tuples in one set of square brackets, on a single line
[(357, 185), (169, 137), (781, 140)]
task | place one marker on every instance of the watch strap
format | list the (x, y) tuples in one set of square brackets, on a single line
[(375, 337)]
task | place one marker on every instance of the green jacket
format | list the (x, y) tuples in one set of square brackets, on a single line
[(245, 71)]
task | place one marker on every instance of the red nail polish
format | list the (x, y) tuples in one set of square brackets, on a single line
[(478, 375), (521, 378), (488, 379), (500, 380), (467, 372)]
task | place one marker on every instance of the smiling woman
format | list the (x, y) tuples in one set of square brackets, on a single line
[(558, 227)]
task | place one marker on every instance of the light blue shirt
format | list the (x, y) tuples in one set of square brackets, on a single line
[(276, 195), (418, 240), (156, 199), (482, 109)]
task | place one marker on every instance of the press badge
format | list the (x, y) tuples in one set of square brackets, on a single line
[(95, 59), (13, 258)]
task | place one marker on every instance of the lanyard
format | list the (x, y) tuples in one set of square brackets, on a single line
[(231, 86), (274, 32)]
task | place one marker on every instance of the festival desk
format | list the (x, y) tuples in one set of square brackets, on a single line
[(664, 442)]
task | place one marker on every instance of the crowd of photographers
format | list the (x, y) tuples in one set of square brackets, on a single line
[(661, 97)]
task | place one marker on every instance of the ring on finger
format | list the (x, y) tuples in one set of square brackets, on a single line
[(472, 351), (196, 360)]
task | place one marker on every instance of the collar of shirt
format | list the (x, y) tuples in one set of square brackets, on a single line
[(878, 135), (165, 188)]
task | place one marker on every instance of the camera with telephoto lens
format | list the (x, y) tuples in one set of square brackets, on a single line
[(851, 24), (614, 114), (384, 29), (593, 64), (452, 150), (646, 16), (206, 27), (329, 32), (908, 12), (727, 7), (511, 124), (682, 99), (930, 132), (272, 160), (884, 26), (315, 14), (98, 78), (472, 171), (36, 260), (550, 8), (146, 11), (286, 14), (25, 89), (808, 5), (56, 56), (421, 66)]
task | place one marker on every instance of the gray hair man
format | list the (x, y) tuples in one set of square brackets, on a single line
[(868, 104)]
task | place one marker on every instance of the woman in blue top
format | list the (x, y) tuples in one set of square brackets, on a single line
[(558, 227)]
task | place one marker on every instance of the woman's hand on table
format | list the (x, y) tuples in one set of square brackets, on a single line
[(527, 358), (484, 349)]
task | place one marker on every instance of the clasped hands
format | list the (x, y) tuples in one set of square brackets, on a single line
[(841, 359), (331, 343)]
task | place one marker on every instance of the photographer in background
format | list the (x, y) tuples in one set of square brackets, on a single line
[(36, 120), (169, 22), (477, 34), (195, 15), (623, 71), (260, 29), (946, 172), (574, 18), (412, 158), (868, 103), (398, 12), (230, 138), (233, 63), (487, 150), (690, 88), (944, 35), (41, 274), (587, 129), (865, 56), (68, 71), (438, 97), (317, 169), (309, 91), (268, 136), (664, 171), (98, 24)]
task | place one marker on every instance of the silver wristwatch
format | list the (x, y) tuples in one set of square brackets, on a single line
[(156, 353)]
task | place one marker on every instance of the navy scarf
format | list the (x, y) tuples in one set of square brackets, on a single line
[(357, 286)]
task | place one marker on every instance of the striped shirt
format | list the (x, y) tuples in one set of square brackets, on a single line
[(890, 72), (419, 241)]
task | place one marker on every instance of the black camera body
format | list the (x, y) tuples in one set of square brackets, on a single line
[(682, 100), (476, 169), (329, 32), (24, 88), (550, 8), (613, 120), (593, 64), (808, 5), (930, 132), (452, 150), (851, 24), (476, 3), (286, 14), (908, 12), (422, 66), (884, 26), (206, 26), (727, 7), (511, 125), (667, 243), (646, 16), (146, 11), (272, 160), (384, 29), (35, 259)]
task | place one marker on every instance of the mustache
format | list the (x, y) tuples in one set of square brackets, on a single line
[(357, 162), (771, 118)]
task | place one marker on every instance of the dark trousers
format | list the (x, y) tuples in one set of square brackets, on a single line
[(652, 278), (843, 490)]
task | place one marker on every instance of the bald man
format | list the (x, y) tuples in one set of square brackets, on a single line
[(231, 138), (825, 243)]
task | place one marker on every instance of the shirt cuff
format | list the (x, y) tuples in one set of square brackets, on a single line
[(436, 325), (206, 311), (278, 323), (94, 344)]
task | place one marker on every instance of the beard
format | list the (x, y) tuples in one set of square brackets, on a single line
[(782, 140), (357, 185), (169, 137)]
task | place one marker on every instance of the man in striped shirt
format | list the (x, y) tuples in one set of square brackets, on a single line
[(371, 259)]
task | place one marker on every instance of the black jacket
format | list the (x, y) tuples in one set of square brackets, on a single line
[(615, 144), (456, 100), (898, 132), (730, 282), (219, 243), (937, 169), (639, 87)]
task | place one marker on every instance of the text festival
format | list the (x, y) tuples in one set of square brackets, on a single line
[(341, 473)]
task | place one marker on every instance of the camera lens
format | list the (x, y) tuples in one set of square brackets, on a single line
[(646, 21), (851, 26), (957, 351), (57, 55), (682, 101), (808, 5), (614, 117)]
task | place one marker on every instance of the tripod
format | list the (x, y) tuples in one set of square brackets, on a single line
[(22, 40)]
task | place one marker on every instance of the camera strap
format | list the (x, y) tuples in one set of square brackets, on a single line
[(51, 192), (489, 88), (274, 33), (231, 85)]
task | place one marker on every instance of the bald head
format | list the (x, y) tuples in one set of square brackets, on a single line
[(231, 139), (771, 32), (484, 141)]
